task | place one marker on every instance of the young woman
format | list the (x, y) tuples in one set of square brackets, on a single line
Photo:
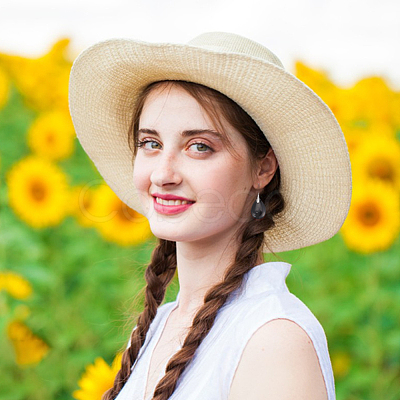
[(228, 156)]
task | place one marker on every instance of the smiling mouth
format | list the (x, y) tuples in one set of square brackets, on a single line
[(172, 202)]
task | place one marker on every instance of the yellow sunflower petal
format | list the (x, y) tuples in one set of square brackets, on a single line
[(319, 81), (116, 364), (97, 379), (29, 348), (4, 87), (116, 221), (17, 286), (373, 98), (394, 111), (81, 203)]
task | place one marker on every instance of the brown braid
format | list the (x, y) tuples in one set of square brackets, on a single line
[(161, 269), (158, 274)]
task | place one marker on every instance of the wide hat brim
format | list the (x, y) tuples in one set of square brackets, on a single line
[(313, 157)]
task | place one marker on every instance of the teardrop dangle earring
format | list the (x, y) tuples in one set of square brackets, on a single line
[(258, 209)]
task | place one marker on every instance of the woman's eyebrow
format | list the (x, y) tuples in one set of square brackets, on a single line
[(185, 133)]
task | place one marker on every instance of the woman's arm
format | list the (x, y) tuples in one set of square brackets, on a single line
[(279, 362)]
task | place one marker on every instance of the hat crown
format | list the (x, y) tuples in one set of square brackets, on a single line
[(232, 43)]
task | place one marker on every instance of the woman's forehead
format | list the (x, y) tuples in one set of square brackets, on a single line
[(173, 97)]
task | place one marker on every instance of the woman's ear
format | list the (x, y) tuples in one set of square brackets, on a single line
[(266, 169)]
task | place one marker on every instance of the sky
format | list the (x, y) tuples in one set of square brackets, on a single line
[(350, 39)]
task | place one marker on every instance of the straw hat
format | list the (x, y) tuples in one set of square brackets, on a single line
[(309, 145)]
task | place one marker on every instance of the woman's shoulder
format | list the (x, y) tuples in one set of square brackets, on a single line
[(252, 314), (279, 360), (276, 330)]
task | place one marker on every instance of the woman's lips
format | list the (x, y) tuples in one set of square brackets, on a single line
[(170, 209)]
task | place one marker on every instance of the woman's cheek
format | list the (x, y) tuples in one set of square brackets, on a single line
[(136, 179), (142, 184)]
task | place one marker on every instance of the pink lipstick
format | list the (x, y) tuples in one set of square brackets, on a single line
[(170, 209)]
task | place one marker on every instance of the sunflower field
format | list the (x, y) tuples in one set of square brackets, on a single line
[(72, 255)]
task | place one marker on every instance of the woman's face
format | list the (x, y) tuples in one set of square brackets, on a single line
[(180, 156)]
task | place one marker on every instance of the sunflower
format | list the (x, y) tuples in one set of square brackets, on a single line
[(17, 286), (116, 221), (29, 348), (394, 110), (81, 203), (38, 191), (373, 222), (377, 157), (97, 379), (4, 87), (52, 135)]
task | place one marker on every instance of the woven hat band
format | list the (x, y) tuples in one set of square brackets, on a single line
[(230, 43)]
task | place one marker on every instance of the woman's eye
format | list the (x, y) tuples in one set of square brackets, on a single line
[(142, 143), (202, 147)]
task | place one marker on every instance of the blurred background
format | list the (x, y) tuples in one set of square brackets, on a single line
[(72, 256)]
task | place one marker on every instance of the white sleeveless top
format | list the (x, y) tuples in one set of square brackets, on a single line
[(263, 297)]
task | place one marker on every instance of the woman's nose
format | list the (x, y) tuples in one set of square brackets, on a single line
[(166, 171)]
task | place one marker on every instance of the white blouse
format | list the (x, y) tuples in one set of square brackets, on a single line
[(263, 297)]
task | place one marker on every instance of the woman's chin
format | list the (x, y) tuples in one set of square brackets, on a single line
[(174, 233), (166, 233)]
